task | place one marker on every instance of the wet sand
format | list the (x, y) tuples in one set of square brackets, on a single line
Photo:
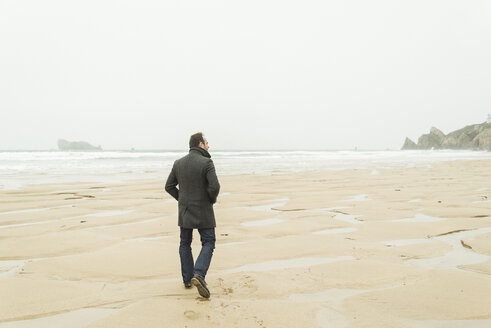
[(402, 247)]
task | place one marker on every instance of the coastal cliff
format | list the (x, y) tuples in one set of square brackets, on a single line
[(474, 137), (76, 145)]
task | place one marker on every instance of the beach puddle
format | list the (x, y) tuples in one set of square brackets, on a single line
[(15, 225), (268, 207), (30, 210), (335, 208), (481, 201), (258, 223), (148, 238), (330, 210), (459, 255), (290, 263), (102, 189), (25, 211), (21, 263), (341, 216), (11, 267), (406, 242), (73, 319), (347, 218), (357, 198), (420, 218), (334, 231)]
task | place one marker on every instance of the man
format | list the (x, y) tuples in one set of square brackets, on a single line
[(198, 191)]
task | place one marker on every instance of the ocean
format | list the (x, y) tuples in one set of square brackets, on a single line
[(19, 168)]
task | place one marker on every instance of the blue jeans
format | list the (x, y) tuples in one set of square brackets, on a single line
[(188, 267)]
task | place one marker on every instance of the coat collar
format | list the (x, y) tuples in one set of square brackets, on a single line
[(201, 151)]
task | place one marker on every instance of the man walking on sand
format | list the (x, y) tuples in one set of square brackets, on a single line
[(198, 190)]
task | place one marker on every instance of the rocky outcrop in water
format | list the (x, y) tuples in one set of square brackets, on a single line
[(76, 145), (475, 137)]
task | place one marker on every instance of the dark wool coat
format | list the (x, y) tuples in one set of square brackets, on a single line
[(198, 189)]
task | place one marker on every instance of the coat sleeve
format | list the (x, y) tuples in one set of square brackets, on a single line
[(213, 187), (170, 185)]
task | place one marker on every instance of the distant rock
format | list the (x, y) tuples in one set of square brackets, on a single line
[(475, 137), (76, 145), (483, 139), (409, 144), (434, 139)]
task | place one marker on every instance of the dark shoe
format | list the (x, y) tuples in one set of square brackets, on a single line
[(200, 283), (188, 285)]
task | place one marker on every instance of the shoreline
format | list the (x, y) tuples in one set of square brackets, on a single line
[(25, 169)]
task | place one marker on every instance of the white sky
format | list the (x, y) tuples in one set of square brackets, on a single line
[(249, 74)]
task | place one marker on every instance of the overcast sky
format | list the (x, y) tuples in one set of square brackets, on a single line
[(249, 74)]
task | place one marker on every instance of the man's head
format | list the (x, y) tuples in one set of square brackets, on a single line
[(198, 140)]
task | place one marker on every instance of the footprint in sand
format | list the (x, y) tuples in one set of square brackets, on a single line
[(191, 315), (225, 290)]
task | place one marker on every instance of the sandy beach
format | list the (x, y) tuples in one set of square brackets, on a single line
[(399, 247)]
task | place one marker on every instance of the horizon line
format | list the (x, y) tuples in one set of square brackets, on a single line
[(211, 151)]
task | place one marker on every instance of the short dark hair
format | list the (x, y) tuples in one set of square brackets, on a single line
[(196, 139)]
